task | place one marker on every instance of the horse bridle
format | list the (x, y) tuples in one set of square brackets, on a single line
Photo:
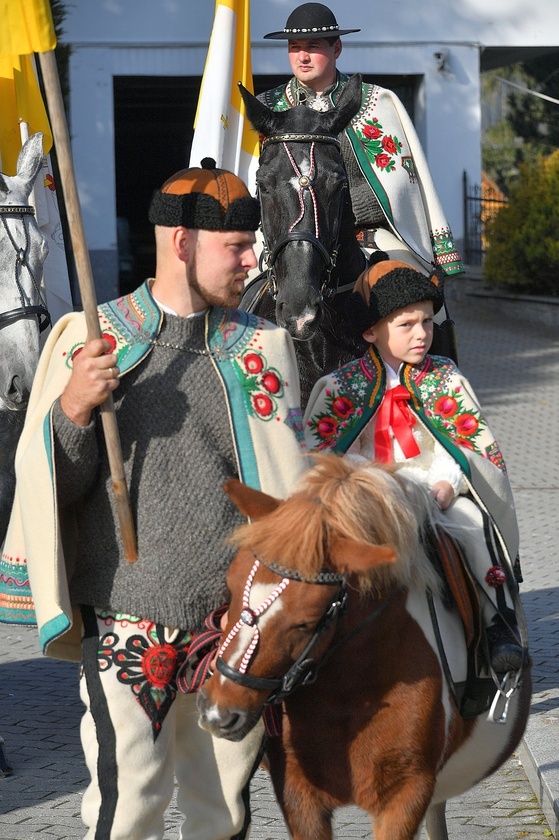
[(305, 184), (304, 669), (27, 308)]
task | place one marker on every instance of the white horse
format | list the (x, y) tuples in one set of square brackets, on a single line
[(23, 311)]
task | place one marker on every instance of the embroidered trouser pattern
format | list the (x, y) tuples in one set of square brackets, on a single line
[(139, 734)]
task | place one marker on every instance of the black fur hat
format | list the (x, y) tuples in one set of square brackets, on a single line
[(387, 285), (205, 198)]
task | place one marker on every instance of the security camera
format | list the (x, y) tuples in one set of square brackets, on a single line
[(441, 59)]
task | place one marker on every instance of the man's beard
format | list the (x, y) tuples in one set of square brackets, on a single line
[(229, 299)]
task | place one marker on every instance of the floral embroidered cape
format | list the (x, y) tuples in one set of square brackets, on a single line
[(256, 364), (390, 156), (342, 403)]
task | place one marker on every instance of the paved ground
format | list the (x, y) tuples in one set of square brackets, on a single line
[(514, 368)]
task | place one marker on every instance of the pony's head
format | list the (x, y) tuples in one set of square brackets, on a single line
[(306, 209), (344, 526)]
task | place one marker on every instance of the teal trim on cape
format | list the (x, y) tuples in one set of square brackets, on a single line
[(53, 629), (236, 398)]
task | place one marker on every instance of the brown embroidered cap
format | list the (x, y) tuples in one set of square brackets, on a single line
[(205, 198)]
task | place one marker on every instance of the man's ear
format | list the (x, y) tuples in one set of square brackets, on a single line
[(338, 48), (182, 242)]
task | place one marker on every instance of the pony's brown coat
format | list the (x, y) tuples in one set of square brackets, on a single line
[(378, 725)]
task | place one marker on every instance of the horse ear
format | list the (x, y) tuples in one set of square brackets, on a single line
[(251, 502), (348, 105), (352, 556), (260, 116), (30, 159)]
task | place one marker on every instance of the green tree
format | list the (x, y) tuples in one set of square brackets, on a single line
[(519, 127), (523, 239)]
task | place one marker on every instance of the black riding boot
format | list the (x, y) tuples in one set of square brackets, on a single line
[(505, 652)]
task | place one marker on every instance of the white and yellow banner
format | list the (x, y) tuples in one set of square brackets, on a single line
[(221, 129)]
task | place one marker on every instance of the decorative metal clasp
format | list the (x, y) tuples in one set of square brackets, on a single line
[(248, 617)]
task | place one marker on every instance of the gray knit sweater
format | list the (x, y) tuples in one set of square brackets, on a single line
[(178, 451)]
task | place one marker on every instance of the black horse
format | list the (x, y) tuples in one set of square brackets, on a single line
[(313, 258)]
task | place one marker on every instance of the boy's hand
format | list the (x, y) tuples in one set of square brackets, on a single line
[(94, 377), (443, 494)]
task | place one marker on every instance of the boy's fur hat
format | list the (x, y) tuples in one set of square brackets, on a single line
[(387, 285)]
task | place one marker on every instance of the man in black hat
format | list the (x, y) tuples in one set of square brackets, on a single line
[(394, 200), (203, 392)]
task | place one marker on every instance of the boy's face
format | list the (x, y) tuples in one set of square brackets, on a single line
[(405, 335)]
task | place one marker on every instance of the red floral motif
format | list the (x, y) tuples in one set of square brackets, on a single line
[(464, 443), (263, 405), (326, 427), (389, 145), (262, 385), (342, 407), (466, 424), (271, 382), (158, 664), (112, 341), (49, 182), (253, 363), (371, 132), (76, 352), (382, 160), (446, 406)]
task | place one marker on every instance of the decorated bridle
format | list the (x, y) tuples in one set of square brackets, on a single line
[(304, 670), (306, 186), (27, 308)]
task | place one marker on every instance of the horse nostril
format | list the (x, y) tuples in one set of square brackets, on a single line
[(231, 721), (17, 394)]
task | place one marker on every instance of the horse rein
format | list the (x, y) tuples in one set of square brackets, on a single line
[(305, 186), (304, 670), (27, 308)]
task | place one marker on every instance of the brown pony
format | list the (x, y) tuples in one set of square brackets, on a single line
[(337, 575)]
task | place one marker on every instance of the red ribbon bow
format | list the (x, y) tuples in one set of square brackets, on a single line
[(395, 414)]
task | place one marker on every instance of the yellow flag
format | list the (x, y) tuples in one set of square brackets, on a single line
[(26, 27), (221, 129), (20, 101)]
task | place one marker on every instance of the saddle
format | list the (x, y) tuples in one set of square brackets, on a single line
[(474, 695)]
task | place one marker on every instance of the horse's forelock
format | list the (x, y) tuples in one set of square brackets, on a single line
[(292, 536), (374, 505)]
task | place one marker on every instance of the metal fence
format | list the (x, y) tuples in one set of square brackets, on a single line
[(482, 202)]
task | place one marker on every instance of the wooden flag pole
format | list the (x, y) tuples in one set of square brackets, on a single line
[(87, 289)]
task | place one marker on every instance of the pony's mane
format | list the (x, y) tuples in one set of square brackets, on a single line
[(371, 504)]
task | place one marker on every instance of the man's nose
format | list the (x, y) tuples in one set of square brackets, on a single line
[(250, 260)]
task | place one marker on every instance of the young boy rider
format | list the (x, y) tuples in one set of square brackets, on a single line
[(399, 404)]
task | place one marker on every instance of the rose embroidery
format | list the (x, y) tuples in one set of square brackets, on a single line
[(466, 425), (342, 407), (461, 423), (253, 362), (261, 384), (446, 406), (335, 417), (381, 148)]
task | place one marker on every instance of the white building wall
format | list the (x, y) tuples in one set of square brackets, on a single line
[(170, 37)]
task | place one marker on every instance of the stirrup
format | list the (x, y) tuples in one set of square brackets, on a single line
[(506, 689)]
